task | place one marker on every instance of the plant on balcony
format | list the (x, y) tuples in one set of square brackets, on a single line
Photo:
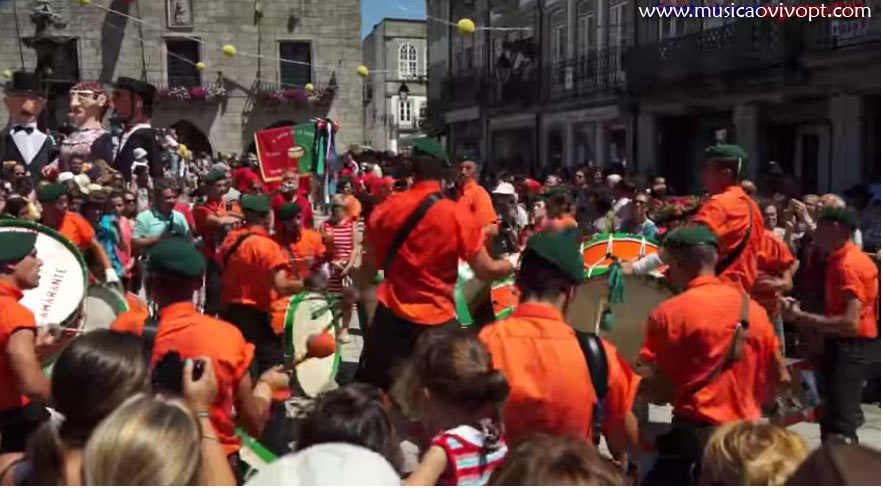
[(296, 96), (195, 94)]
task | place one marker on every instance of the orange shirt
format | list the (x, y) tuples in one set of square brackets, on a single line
[(247, 276), (774, 259), (353, 207), (76, 229), (309, 249), (209, 234), (477, 202), (550, 387), (727, 215), (13, 316), (131, 321), (851, 273), (183, 329), (420, 285), (687, 337)]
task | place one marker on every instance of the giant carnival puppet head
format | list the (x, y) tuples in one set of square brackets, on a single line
[(24, 98), (133, 99), (89, 103)]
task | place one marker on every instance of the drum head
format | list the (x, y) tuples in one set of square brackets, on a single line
[(63, 277), (309, 313), (642, 296), (103, 305), (504, 297)]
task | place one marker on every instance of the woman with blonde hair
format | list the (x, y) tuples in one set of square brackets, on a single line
[(749, 454), (157, 441)]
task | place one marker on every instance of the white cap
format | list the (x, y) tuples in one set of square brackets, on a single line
[(614, 179), (66, 176), (83, 182), (505, 188), (331, 464), (139, 154)]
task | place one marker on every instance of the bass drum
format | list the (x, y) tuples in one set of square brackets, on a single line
[(642, 293), (104, 303), (58, 300), (310, 313)]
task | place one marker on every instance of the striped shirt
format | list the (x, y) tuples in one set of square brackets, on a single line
[(468, 464), (341, 249)]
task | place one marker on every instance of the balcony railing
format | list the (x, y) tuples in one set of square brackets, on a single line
[(745, 45), (464, 89), (591, 74), (839, 35)]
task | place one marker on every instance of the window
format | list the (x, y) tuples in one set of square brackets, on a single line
[(407, 61), (405, 112), (617, 26), (587, 33), (295, 63), (181, 58), (560, 43)]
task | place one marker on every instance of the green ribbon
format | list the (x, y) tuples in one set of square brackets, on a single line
[(462, 308), (615, 294)]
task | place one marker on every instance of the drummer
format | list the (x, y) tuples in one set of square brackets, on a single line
[(252, 266), (213, 220), (475, 199), (708, 365), (304, 247), (551, 390), (53, 198), (24, 389), (175, 270), (730, 213), (420, 263)]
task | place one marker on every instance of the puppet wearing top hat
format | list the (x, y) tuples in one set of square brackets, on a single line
[(133, 104), (22, 141)]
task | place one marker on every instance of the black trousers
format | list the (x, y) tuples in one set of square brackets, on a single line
[(844, 368), (256, 328), (17, 425), (390, 340), (680, 452), (212, 288)]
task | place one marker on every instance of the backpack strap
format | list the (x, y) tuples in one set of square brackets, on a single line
[(235, 246), (406, 228), (148, 335), (596, 360)]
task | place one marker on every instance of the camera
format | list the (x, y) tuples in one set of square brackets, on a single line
[(168, 373)]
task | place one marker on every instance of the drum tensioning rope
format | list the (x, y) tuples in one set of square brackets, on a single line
[(615, 292)]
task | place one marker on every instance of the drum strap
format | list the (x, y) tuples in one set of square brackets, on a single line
[(734, 350), (406, 229), (596, 361), (728, 261), (148, 335), (235, 246)]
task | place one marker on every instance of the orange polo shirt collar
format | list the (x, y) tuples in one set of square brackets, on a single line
[(177, 310), (10, 291), (537, 311)]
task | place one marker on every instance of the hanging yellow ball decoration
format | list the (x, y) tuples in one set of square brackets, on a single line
[(362, 71), (309, 88), (200, 66), (229, 50), (83, 3), (466, 27), (7, 74)]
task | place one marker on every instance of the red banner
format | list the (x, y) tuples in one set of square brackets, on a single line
[(272, 147)]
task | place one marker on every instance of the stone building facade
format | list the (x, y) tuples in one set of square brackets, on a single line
[(396, 51), (281, 47)]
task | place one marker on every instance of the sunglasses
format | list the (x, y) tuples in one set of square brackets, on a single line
[(129, 201)]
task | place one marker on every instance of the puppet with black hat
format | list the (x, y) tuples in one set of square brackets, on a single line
[(133, 105), (22, 141)]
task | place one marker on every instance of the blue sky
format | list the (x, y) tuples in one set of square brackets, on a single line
[(373, 11)]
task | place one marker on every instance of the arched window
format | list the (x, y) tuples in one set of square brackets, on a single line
[(407, 61)]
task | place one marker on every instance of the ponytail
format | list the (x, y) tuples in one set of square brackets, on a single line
[(46, 452)]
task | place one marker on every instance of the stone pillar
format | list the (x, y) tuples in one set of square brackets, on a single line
[(648, 137), (745, 119), (602, 145), (846, 155)]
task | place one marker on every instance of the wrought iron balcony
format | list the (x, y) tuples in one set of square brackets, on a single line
[(463, 90), (842, 35), (742, 46), (592, 74)]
